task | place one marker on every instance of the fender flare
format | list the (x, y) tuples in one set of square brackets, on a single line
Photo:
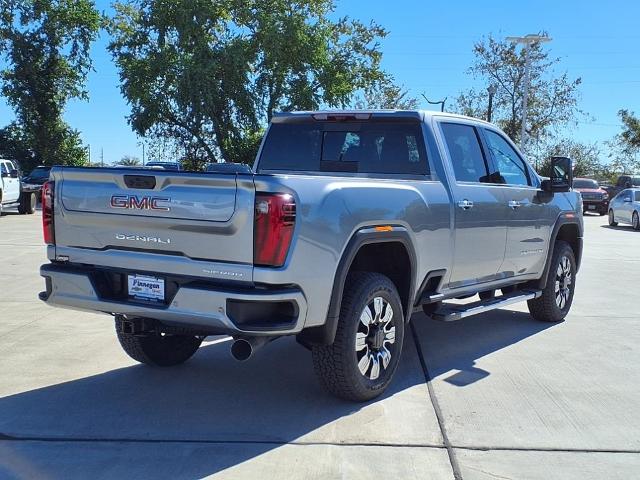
[(563, 219), (325, 334)]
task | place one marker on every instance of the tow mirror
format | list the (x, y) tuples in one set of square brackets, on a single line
[(561, 175)]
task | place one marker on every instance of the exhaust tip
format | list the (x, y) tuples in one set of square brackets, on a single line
[(241, 350)]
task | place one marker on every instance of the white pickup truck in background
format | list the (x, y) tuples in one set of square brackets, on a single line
[(11, 192)]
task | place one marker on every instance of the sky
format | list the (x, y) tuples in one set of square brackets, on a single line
[(428, 50)]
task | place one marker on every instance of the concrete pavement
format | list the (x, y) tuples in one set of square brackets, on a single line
[(508, 397)]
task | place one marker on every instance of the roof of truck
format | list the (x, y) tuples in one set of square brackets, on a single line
[(409, 114)]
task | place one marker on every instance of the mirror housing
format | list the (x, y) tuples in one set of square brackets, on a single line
[(561, 175), (14, 173)]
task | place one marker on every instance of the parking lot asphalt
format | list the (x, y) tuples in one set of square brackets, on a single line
[(493, 396)]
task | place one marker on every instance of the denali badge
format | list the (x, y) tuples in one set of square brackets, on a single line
[(140, 203), (142, 238)]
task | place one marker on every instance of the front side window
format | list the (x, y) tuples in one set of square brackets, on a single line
[(358, 147), (638, 196), (510, 165), (466, 155)]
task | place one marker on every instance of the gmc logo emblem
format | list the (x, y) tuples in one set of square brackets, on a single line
[(140, 203)]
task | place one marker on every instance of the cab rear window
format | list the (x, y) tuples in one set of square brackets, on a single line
[(358, 147)]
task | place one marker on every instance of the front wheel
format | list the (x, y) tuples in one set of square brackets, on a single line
[(556, 299), (612, 219), (635, 221), (158, 349), (360, 363)]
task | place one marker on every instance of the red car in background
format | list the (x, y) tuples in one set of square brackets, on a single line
[(594, 198)]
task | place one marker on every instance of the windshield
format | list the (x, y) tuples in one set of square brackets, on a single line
[(635, 181), (40, 172), (585, 183)]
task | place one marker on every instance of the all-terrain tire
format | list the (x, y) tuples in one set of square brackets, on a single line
[(337, 365), (557, 296), (156, 349), (612, 221)]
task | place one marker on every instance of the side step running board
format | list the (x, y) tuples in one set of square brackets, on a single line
[(450, 312)]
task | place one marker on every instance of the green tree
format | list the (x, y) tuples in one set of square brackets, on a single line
[(129, 161), (552, 100), (387, 94), (209, 75), (631, 129), (45, 45), (586, 157)]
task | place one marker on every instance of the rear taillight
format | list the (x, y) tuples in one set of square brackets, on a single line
[(275, 218), (47, 213)]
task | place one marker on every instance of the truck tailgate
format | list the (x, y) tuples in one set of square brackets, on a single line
[(198, 216)]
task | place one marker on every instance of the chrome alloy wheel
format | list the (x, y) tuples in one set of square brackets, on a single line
[(375, 338), (564, 277)]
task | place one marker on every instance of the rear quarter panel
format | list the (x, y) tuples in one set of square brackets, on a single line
[(330, 210)]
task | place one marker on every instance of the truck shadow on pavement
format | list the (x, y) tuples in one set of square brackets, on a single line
[(227, 411), (626, 228)]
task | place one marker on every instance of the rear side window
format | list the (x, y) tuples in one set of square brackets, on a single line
[(359, 147), (3, 168), (465, 153)]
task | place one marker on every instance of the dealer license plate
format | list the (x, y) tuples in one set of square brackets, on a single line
[(146, 288)]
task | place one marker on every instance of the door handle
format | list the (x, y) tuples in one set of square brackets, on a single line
[(514, 204), (465, 204)]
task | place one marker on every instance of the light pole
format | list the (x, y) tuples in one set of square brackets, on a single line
[(491, 89), (527, 40)]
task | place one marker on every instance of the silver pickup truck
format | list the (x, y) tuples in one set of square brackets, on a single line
[(347, 223)]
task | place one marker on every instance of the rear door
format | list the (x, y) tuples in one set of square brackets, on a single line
[(195, 216), (528, 214), (480, 225)]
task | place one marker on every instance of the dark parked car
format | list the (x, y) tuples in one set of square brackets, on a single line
[(164, 165), (35, 180), (623, 182), (594, 197)]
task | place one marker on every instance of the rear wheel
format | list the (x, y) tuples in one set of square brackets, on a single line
[(27, 203), (612, 219), (158, 349), (635, 221), (360, 363), (557, 296)]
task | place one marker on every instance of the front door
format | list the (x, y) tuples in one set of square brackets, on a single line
[(529, 217), (480, 227), (11, 185)]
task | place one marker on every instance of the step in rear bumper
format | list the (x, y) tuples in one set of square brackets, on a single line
[(213, 311)]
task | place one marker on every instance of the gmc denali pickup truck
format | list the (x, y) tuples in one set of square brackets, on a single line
[(347, 223)]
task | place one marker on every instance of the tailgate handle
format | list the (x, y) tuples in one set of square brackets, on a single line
[(140, 181)]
